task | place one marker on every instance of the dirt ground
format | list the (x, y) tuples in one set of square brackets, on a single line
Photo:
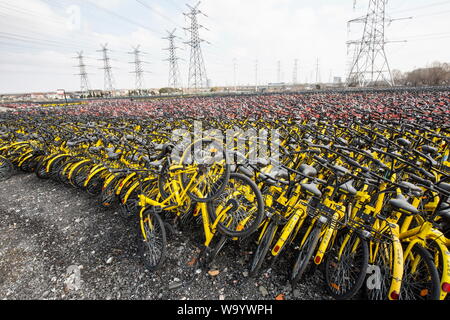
[(56, 242)]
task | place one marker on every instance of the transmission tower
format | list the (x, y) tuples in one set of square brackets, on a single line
[(138, 68), (278, 71), (256, 75), (197, 71), (295, 72), (235, 73), (84, 87), (317, 71), (174, 72), (109, 80), (370, 64)]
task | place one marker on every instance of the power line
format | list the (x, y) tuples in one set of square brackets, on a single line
[(112, 13), (157, 12), (423, 7)]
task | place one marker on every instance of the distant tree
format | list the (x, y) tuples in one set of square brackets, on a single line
[(398, 77)]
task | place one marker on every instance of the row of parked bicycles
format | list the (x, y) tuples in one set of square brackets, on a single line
[(366, 200)]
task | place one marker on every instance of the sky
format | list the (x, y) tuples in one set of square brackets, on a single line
[(40, 38)]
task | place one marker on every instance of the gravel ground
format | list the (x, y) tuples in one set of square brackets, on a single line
[(51, 233)]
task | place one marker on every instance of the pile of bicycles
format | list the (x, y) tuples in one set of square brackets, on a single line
[(365, 199)]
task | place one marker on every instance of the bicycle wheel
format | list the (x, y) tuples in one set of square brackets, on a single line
[(211, 173), (41, 170), (56, 166), (346, 265), (420, 277), (6, 169), (108, 196), (262, 249), (239, 207), (94, 187), (383, 264), (79, 178), (80, 174), (63, 174), (29, 165), (305, 255), (208, 254), (152, 243), (210, 181), (439, 259)]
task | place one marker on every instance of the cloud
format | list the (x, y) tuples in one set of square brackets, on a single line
[(38, 41)]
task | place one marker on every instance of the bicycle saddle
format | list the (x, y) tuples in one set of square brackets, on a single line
[(261, 162), (347, 188), (411, 188), (95, 149), (402, 205), (311, 189), (342, 141), (246, 171), (403, 142), (308, 170), (444, 186), (429, 149), (113, 156), (339, 170)]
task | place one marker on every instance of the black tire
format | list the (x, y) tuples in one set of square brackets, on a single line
[(383, 262), (6, 169), (422, 283), (94, 187), (438, 260), (304, 255), (108, 196), (29, 165), (163, 179), (345, 275), (153, 250), (228, 225), (56, 167), (80, 175), (129, 209), (210, 185), (262, 249), (63, 174), (213, 189), (209, 255), (41, 170)]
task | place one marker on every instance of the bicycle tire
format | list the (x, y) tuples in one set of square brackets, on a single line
[(353, 257), (429, 282), (158, 233), (262, 249), (217, 186), (255, 218), (305, 255), (41, 170)]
